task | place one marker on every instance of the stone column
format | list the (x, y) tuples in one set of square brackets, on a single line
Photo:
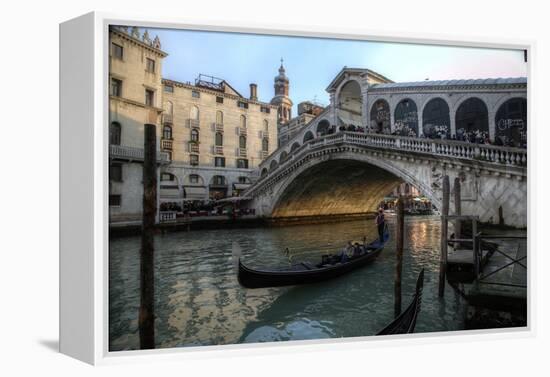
[(492, 125), (452, 116)]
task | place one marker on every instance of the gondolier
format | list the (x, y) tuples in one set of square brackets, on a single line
[(380, 223)]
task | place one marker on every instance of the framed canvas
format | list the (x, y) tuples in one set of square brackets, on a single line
[(256, 189)]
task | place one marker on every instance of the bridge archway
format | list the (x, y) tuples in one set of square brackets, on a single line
[(341, 185), (322, 127), (436, 121), (308, 136), (350, 103), (406, 118), (273, 165), (380, 117), (511, 122), (283, 157), (472, 116), (295, 146)]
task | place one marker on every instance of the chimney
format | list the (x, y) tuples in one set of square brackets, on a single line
[(253, 92)]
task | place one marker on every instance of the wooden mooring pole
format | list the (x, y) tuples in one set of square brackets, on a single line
[(147, 288), (444, 236), (458, 207), (399, 241)]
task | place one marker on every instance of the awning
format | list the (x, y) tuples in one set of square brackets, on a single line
[(241, 186), (195, 192)]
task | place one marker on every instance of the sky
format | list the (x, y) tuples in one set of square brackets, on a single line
[(312, 63)]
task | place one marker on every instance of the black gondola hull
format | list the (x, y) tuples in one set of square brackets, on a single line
[(251, 278)]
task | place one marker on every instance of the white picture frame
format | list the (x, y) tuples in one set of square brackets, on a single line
[(83, 179)]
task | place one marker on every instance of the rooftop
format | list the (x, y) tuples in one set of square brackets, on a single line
[(468, 82)]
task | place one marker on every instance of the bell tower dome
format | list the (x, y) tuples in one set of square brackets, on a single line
[(281, 99)]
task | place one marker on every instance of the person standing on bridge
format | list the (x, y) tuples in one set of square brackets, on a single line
[(380, 223)]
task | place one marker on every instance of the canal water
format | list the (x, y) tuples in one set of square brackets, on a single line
[(200, 302)]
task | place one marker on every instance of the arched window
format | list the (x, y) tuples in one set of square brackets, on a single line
[(406, 118), (195, 179), (194, 113), (273, 165), (265, 144), (436, 123), (266, 126), (219, 139), (219, 117), (168, 107), (242, 142), (243, 121), (511, 123), (167, 132), (308, 136), (283, 157), (380, 117), (115, 133), (322, 127), (472, 120), (218, 180), (195, 135)]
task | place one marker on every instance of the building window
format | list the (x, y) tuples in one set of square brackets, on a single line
[(194, 113), (149, 97), (195, 135), (114, 200), (242, 142), (194, 179), (195, 94), (118, 51), (265, 109), (265, 144), (219, 117), (219, 99), (150, 65), (115, 133), (116, 87), (266, 126), (167, 132), (169, 88), (219, 139), (218, 180), (243, 121), (243, 179), (167, 177), (194, 159), (242, 163), (219, 162), (242, 105), (115, 173)]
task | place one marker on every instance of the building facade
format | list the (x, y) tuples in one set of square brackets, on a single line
[(210, 138), (135, 98), (216, 138)]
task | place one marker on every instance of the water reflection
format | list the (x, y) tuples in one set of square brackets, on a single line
[(199, 301)]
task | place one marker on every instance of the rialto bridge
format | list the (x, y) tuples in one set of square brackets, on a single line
[(405, 135)]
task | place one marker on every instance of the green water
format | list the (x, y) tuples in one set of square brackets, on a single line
[(200, 302)]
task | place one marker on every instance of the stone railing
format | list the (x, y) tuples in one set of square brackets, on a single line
[(435, 147), (134, 154), (166, 144)]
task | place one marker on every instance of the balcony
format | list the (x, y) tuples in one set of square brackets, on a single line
[(167, 118), (193, 147), (194, 123), (242, 131), (264, 135), (134, 154), (218, 127), (264, 154), (241, 152), (218, 149), (166, 144)]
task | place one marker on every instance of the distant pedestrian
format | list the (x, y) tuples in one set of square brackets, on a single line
[(380, 223)]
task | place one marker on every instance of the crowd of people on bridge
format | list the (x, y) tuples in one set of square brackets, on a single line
[(473, 136)]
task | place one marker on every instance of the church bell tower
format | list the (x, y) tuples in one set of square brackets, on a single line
[(281, 99)]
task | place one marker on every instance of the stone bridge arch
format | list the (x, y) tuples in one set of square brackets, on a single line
[(343, 183)]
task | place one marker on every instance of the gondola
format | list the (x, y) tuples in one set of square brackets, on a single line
[(406, 321), (305, 273)]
